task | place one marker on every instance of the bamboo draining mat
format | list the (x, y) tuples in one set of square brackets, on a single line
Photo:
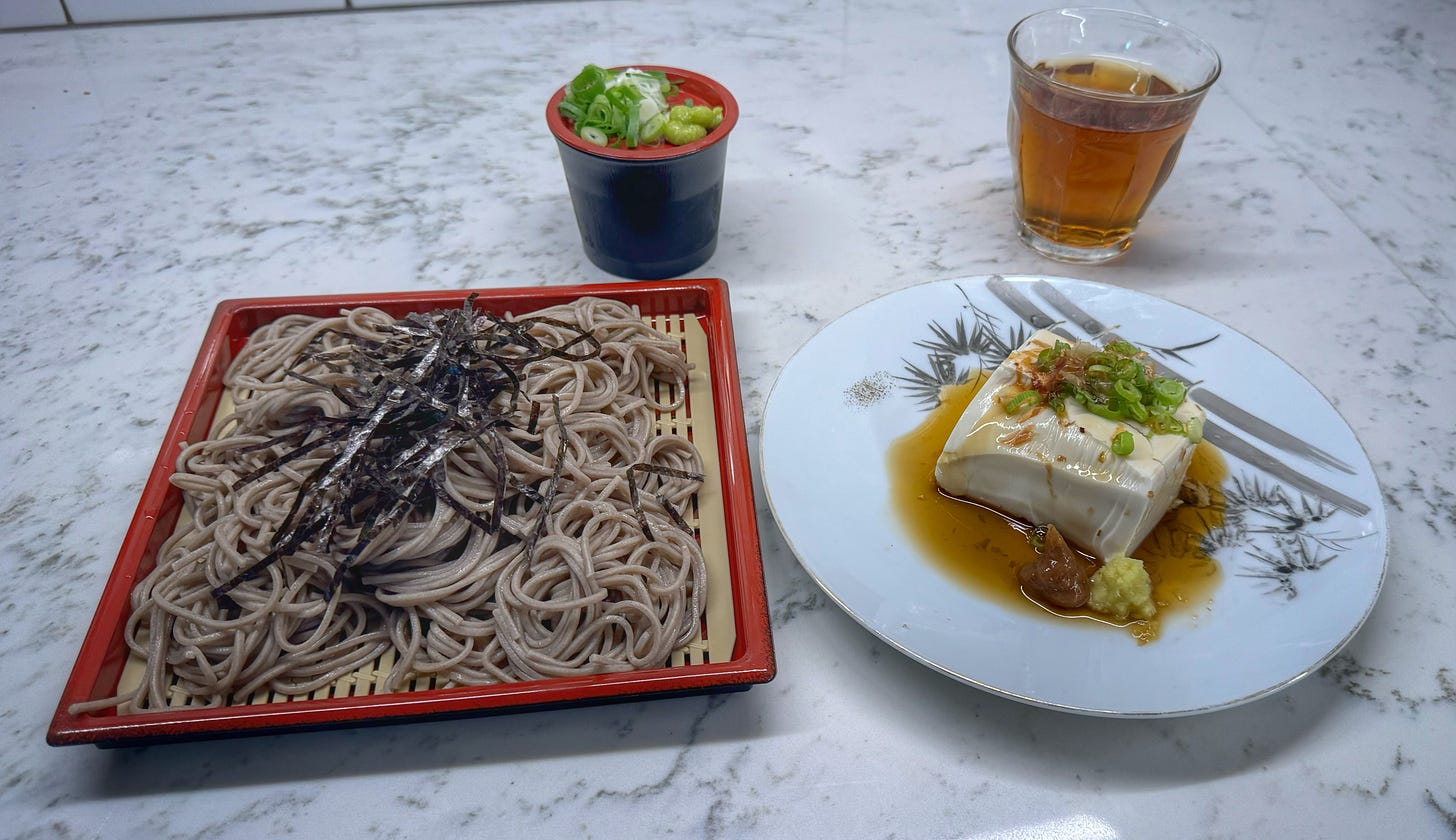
[(706, 513)]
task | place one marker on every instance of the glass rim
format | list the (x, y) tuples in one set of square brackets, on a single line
[(1114, 96)]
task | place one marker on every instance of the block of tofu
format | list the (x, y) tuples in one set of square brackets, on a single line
[(1044, 468)]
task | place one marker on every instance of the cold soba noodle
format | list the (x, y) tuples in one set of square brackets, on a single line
[(436, 543)]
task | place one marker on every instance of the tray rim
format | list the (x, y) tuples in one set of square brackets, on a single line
[(753, 663)]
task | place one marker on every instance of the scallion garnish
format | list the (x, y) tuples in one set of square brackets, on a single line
[(1022, 401), (1122, 443), (1169, 391), (1127, 390), (1194, 429), (1115, 382), (629, 108)]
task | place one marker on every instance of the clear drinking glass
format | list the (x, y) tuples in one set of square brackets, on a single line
[(1101, 100)]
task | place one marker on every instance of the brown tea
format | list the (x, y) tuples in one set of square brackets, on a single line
[(1088, 164)]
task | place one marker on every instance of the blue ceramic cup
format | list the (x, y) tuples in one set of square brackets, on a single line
[(649, 213)]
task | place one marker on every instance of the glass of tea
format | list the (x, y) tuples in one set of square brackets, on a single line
[(1100, 102)]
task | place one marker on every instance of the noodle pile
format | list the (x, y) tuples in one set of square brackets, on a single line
[(578, 563)]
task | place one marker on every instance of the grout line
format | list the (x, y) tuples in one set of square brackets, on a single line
[(348, 6)]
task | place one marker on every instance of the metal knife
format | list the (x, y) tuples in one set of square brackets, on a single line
[(1212, 432), (1258, 427)]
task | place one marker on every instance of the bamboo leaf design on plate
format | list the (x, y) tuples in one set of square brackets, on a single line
[(1284, 535), (924, 383), (971, 344), (1176, 352)]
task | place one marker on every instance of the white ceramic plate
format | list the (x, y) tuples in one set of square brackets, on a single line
[(1299, 577)]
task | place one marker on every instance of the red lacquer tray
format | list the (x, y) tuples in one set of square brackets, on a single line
[(696, 308)]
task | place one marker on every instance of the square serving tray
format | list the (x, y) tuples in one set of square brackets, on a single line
[(734, 649)]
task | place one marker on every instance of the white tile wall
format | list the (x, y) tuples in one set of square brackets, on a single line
[(111, 11), (376, 4), (18, 13)]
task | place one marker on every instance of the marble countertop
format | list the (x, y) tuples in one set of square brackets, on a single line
[(151, 170)]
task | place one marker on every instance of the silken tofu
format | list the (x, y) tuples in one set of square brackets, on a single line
[(1045, 468)]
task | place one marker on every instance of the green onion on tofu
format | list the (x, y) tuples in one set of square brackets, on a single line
[(1115, 382)]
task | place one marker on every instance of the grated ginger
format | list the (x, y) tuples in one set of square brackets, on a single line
[(1121, 589)]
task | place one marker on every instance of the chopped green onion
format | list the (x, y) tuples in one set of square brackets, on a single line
[(1107, 411), (652, 128), (571, 110), (633, 126), (1115, 383), (1194, 428), (1162, 423), (590, 83), (609, 107), (599, 115), (1023, 400), (1047, 358), (1128, 391), (1122, 443), (1169, 391)]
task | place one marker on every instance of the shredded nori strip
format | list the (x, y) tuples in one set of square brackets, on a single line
[(677, 518), (552, 485), (633, 493), (438, 381)]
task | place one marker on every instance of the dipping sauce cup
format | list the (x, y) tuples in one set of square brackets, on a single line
[(1100, 103), (649, 213)]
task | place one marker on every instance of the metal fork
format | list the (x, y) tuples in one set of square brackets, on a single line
[(1212, 432)]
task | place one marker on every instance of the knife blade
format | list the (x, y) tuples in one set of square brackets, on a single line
[(1237, 417), (1212, 432), (1261, 460)]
